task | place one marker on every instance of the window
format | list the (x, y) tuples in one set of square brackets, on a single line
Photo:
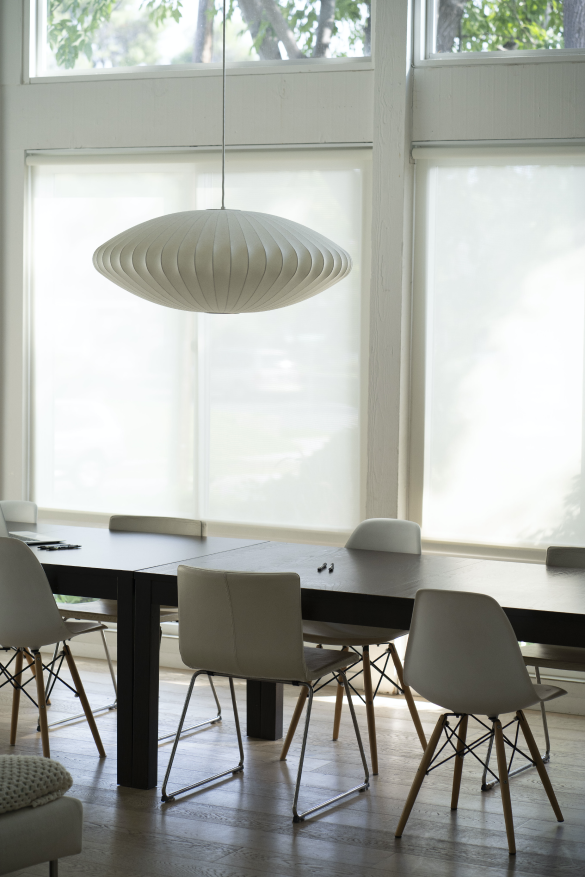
[(97, 35), (501, 288), (143, 409), (504, 26)]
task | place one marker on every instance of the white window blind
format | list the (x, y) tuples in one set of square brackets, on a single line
[(136, 408), (500, 277)]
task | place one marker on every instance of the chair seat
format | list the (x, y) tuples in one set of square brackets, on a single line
[(548, 692), (322, 661), (107, 610), (328, 634), (554, 657), (76, 628)]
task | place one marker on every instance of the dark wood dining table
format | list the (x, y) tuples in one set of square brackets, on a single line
[(544, 605)]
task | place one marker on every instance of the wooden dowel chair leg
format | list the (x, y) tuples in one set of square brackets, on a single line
[(16, 696), (31, 664), (294, 721), (370, 715), (420, 774), (505, 785), (544, 777), (458, 769), (339, 702), (408, 696), (84, 701), (42, 705), (31, 661)]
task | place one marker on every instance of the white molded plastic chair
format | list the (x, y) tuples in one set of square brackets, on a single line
[(29, 619), (542, 656), (375, 534), (386, 534), (463, 655), (155, 524), (249, 626), (20, 510), (107, 610)]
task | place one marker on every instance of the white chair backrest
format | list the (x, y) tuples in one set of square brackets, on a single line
[(28, 612), (463, 654), (565, 556), (151, 524), (243, 624), (20, 510), (3, 528), (386, 534)]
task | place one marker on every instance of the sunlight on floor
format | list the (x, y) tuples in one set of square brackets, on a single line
[(396, 703)]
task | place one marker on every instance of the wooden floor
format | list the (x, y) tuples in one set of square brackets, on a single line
[(242, 826)]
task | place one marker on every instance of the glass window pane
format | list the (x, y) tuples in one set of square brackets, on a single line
[(504, 439), (508, 25), (142, 409), (99, 34)]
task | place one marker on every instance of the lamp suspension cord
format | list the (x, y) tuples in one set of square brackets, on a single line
[(223, 120)]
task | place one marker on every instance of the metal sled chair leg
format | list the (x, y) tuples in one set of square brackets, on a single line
[(297, 817), (232, 770), (200, 724)]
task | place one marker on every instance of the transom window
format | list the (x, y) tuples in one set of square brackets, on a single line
[(504, 26), (99, 35)]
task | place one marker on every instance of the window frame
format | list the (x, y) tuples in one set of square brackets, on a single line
[(34, 44), (425, 57)]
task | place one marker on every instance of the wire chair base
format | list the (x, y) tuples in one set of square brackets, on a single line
[(297, 816)]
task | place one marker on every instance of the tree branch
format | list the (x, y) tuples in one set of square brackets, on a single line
[(324, 28), (449, 23), (281, 29), (265, 42), (203, 46), (574, 24)]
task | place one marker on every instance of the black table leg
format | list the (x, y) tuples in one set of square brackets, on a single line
[(125, 646), (145, 702), (264, 710)]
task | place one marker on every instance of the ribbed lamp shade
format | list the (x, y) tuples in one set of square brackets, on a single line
[(222, 261)]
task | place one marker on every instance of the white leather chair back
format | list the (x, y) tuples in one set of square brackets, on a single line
[(463, 654), (20, 510), (28, 612), (3, 527), (386, 534), (151, 524), (243, 624)]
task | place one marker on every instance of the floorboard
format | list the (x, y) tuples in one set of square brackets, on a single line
[(242, 826)]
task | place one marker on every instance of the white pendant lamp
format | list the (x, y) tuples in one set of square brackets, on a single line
[(222, 261)]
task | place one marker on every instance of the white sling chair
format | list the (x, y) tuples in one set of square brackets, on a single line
[(463, 655), (375, 534), (29, 618), (249, 626), (106, 611)]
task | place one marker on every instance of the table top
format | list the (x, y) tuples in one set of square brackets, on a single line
[(514, 585), (120, 551)]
